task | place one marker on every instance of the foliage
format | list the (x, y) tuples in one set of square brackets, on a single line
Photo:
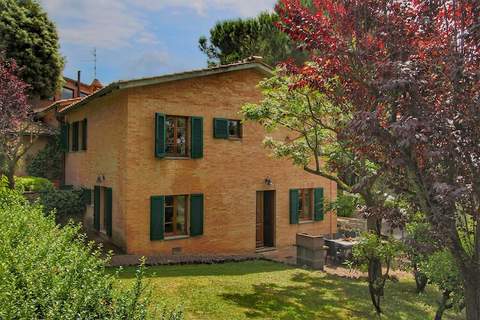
[(15, 119), (441, 270), (231, 41), (373, 250), (48, 162), (29, 37), (267, 290), (409, 70), (420, 243), (64, 203), (346, 204), (23, 184), (47, 272)]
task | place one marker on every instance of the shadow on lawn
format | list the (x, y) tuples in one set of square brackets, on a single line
[(323, 297), (197, 270)]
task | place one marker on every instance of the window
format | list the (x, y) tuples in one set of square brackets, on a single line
[(177, 136), (176, 211), (227, 128), (84, 134), (305, 204), (234, 129), (75, 131), (67, 93)]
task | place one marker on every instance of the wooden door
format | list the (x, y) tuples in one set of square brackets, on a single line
[(260, 220)]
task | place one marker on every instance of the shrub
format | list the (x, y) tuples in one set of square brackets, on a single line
[(47, 272), (346, 204), (38, 184), (48, 162), (65, 203)]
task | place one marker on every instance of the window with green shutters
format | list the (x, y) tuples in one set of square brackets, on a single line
[(227, 128), (173, 216), (108, 211), (306, 205), (178, 136)]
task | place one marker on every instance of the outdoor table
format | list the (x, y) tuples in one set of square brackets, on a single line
[(340, 249)]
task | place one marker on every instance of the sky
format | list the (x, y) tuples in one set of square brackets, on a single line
[(139, 38)]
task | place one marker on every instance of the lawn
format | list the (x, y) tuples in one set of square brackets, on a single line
[(267, 290)]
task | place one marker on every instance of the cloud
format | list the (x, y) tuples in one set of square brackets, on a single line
[(97, 23), (148, 63), (203, 7)]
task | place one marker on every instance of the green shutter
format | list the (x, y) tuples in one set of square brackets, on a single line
[(108, 211), (157, 221), (84, 134), (220, 128), (318, 204), (196, 215), (96, 208), (64, 128), (294, 206), (75, 127), (197, 137), (160, 135)]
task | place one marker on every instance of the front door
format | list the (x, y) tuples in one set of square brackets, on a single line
[(265, 226)]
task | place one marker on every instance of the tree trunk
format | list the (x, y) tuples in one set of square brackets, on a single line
[(420, 279), (472, 293), (443, 305), (10, 173), (374, 276)]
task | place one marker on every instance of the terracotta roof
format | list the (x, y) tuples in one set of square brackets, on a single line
[(250, 63), (59, 103)]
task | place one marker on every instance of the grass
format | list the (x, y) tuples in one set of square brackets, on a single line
[(267, 290)]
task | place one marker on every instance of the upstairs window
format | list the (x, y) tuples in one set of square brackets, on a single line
[(234, 129), (67, 93), (177, 136), (227, 128)]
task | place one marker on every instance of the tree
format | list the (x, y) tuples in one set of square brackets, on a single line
[(315, 142), (29, 37), (15, 119), (231, 41), (410, 71)]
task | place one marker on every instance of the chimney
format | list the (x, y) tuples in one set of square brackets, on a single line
[(78, 83)]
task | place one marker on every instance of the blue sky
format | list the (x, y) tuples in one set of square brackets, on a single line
[(137, 38)]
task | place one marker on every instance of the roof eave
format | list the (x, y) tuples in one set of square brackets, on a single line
[(262, 67)]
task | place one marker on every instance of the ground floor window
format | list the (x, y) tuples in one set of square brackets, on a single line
[(176, 213), (305, 204)]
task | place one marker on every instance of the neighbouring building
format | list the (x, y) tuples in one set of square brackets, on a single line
[(174, 170), (47, 118)]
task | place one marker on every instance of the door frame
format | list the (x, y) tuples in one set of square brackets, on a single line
[(272, 217)]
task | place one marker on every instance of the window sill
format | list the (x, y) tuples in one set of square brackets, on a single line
[(186, 236), (176, 158), (234, 139), (306, 221)]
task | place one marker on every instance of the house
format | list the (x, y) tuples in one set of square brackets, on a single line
[(174, 170), (46, 116)]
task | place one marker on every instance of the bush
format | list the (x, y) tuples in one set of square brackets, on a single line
[(47, 272), (37, 184), (65, 203), (346, 204), (48, 162)]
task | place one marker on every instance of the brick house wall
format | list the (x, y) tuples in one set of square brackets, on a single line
[(121, 139)]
